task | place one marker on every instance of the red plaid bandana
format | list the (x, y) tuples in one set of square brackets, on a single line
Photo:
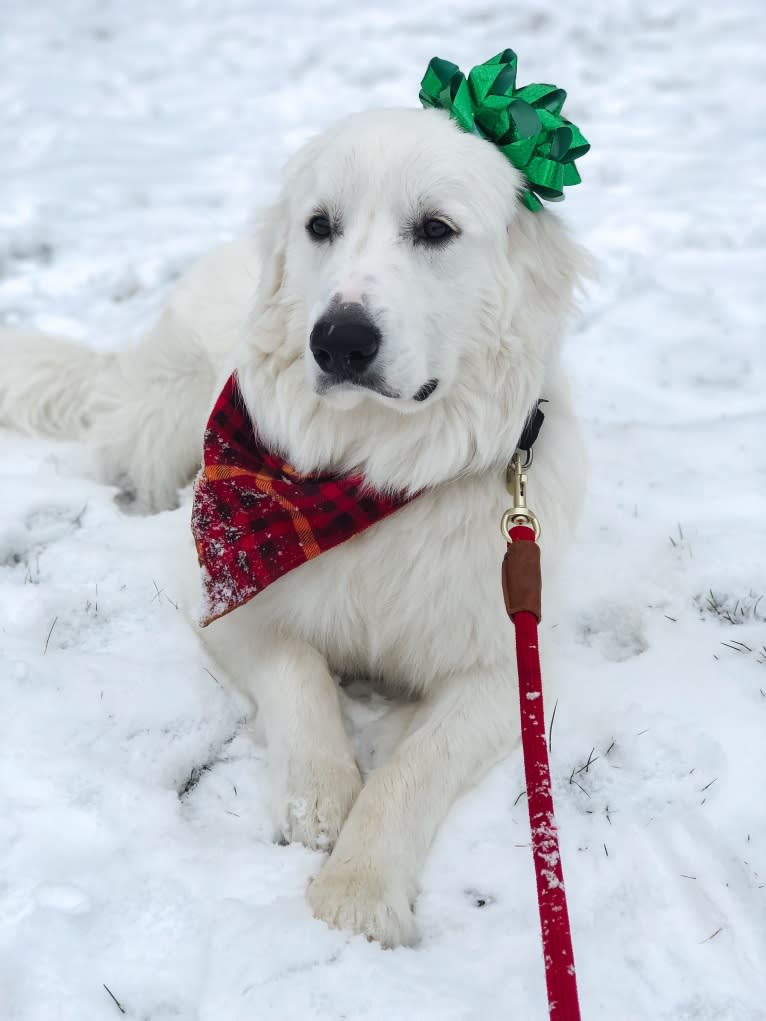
[(254, 518)]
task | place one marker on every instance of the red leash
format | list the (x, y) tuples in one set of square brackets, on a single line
[(522, 591)]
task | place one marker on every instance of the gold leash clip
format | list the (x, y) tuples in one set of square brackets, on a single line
[(516, 484)]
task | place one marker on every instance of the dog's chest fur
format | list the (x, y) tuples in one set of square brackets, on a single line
[(417, 597), (439, 557)]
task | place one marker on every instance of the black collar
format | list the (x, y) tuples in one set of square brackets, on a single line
[(531, 429)]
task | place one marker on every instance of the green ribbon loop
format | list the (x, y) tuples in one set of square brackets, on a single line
[(525, 124)]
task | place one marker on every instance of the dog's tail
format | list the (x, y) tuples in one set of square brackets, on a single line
[(49, 385), (142, 409)]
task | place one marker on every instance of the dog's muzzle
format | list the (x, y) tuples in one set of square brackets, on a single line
[(345, 342)]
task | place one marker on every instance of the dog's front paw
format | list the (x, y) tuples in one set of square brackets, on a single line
[(355, 897), (312, 803)]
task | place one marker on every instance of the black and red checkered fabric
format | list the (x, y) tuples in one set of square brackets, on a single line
[(254, 518)]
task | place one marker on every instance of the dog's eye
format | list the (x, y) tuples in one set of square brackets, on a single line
[(319, 227), (434, 231)]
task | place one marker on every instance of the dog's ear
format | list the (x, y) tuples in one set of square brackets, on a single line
[(270, 241), (547, 268), (268, 317)]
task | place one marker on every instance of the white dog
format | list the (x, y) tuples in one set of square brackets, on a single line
[(398, 314)]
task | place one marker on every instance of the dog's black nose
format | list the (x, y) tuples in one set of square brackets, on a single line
[(345, 341)]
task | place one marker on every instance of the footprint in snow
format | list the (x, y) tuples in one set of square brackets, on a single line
[(617, 631)]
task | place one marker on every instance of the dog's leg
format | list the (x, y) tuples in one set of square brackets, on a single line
[(314, 775), (370, 881)]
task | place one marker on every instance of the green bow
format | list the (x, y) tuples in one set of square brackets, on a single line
[(525, 124)]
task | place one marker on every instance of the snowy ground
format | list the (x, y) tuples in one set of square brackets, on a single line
[(135, 136)]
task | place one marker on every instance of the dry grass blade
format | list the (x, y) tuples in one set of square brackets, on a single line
[(117, 1002), (49, 635), (550, 728)]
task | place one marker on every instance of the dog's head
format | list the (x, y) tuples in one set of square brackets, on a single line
[(404, 273)]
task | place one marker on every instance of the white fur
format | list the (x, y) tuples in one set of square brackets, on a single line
[(414, 603)]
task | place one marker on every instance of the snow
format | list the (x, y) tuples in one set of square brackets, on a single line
[(137, 136)]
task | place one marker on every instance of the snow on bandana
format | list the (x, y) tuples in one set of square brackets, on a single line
[(255, 518)]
